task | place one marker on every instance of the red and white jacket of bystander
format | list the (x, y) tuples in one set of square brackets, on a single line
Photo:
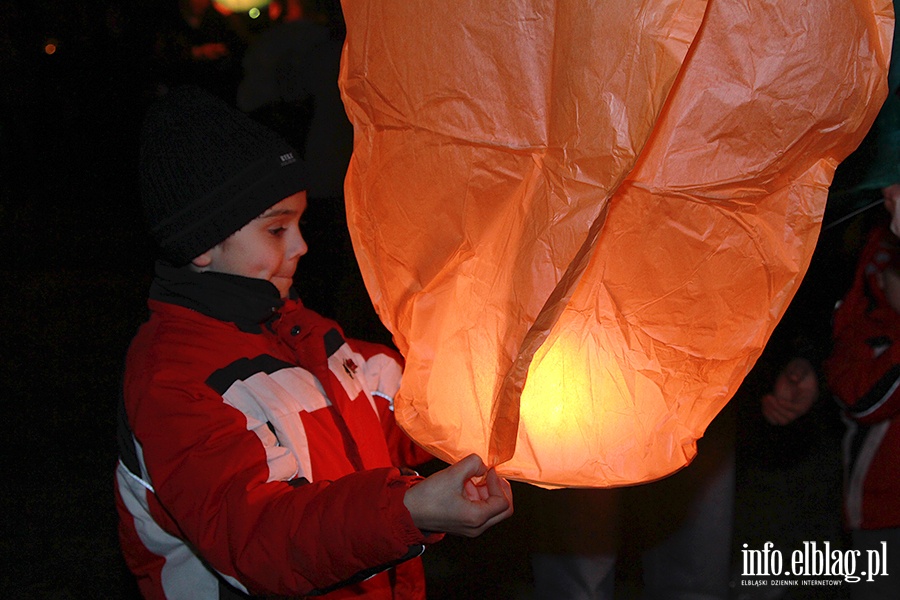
[(863, 372)]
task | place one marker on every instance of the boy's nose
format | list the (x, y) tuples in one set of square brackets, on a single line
[(298, 246)]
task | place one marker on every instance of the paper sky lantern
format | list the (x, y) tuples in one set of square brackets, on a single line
[(582, 221)]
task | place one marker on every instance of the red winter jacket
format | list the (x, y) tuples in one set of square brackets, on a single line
[(864, 374), (254, 452)]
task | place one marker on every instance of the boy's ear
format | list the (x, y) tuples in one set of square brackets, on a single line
[(203, 261)]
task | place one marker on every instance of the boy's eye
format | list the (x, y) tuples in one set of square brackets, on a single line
[(277, 231)]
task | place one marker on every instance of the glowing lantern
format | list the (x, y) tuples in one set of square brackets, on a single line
[(582, 225)]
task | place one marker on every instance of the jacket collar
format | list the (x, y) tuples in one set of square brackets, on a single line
[(244, 301)]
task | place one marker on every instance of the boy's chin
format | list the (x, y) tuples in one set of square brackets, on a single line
[(284, 285)]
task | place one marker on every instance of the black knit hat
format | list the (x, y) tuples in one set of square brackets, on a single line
[(207, 170)]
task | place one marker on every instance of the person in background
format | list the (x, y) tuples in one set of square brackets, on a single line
[(864, 368), (863, 373)]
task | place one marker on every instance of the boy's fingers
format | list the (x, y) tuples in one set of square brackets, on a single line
[(502, 505), (475, 492), (499, 488), (496, 485), (471, 466), (472, 493), (483, 492), (493, 510), (495, 505)]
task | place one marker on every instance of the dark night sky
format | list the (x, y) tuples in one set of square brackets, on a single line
[(69, 132)]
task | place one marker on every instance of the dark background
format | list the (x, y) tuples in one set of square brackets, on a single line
[(75, 266)]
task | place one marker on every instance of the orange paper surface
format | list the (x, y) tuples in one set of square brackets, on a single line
[(582, 222)]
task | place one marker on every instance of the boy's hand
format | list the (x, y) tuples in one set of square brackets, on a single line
[(464, 499), (796, 390)]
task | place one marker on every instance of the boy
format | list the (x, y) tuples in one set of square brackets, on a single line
[(256, 442)]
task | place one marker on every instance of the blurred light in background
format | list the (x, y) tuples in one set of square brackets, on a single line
[(243, 5)]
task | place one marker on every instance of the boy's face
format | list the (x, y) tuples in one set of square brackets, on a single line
[(268, 247)]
